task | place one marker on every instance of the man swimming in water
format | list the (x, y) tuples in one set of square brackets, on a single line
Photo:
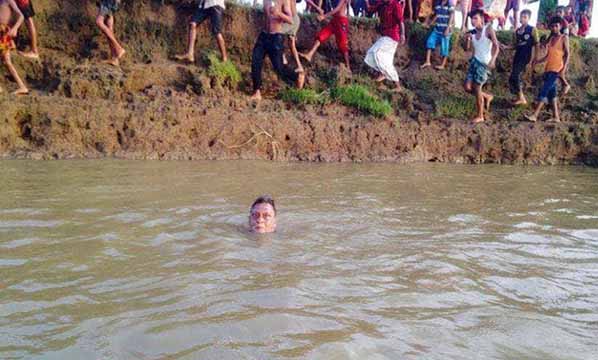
[(8, 9), (262, 215), (271, 42)]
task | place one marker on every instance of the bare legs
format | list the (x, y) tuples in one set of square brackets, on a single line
[(189, 56), (483, 100), (540, 105), (22, 89), (295, 53), (34, 53), (428, 61), (310, 54), (106, 25)]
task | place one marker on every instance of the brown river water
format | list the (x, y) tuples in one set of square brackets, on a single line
[(151, 260)]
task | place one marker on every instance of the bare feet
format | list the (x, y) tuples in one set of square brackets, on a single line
[(555, 120), (307, 57), (566, 89), (439, 67), (21, 91), (520, 102), (397, 88), (29, 55), (120, 54), (185, 58), (425, 65), (532, 118), (380, 78), (300, 80), (257, 96), (478, 120), (113, 62)]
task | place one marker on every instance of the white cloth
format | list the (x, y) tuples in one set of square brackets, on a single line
[(482, 48), (381, 57), (210, 3)]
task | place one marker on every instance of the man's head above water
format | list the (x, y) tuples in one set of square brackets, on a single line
[(262, 215)]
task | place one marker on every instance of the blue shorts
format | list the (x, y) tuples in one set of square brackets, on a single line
[(477, 72), (435, 38), (548, 91)]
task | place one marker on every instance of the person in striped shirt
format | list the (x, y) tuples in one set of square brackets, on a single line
[(443, 19)]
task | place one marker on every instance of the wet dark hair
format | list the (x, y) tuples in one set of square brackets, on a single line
[(555, 20), (526, 11), (478, 12), (264, 199)]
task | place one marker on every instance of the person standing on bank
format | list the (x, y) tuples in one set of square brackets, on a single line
[(526, 45), (291, 30), (381, 55), (556, 59), (105, 21), (271, 42), (26, 8), (214, 10), (485, 52)]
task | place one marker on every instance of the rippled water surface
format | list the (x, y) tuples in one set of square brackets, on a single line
[(150, 260)]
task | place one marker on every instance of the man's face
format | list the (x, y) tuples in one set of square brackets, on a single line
[(477, 21), (560, 13), (555, 28), (524, 19), (262, 219)]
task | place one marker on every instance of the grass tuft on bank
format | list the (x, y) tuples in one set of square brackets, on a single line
[(359, 97), (303, 96), (223, 72)]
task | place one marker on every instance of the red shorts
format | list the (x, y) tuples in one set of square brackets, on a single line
[(339, 27), (6, 42)]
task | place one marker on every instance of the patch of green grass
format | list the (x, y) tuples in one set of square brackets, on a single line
[(455, 107), (303, 96), (359, 97), (223, 72), (328, 76)]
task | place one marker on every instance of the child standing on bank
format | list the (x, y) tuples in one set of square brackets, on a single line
[(8, 10), (443, 19)]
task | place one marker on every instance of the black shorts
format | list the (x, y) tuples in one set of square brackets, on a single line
[(215, 14), (27, 10)]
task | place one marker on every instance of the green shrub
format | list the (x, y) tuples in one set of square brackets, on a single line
[(359, 97), (223, 72), (455, 107), (303, 96)]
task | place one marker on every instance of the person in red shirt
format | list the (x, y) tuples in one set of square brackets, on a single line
[(584, 24), (380, 56), (338, 26)]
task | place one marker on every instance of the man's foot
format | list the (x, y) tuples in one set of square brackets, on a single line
[(478, 120), (112, 62), (518, 102), (306, 56), (257, 96), (29, 55), (554, 120), (21, 91), (425, 65), (300, 80), (532, 118), (398, 88), (487, 101), (439, 67), (185, 58), (380, 78), (120, 54), (566, 89)]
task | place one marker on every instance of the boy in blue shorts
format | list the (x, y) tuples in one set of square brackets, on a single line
[(443, 19)]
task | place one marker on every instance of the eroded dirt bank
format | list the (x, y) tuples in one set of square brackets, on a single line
[(153, 108)]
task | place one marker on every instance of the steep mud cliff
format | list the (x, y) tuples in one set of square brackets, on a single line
[(155, 108)]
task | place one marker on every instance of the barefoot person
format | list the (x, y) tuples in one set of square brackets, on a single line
[(557, 58), (443, 18), (270, 42), (485, 51), (381, 55), (26, 8), (291, 31), (214, 10), (338, 26), (513, 5), (105, 21), (262, 215), (526, 44), (8, 10)]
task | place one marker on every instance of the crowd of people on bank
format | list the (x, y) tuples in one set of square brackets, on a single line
[(282, 22)]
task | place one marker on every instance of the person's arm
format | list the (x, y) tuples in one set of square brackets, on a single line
[(495, 46), (451, 22), (341, 6), (316, 6), (410, 8), (430, 20), (20, 18), (535, 47)]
